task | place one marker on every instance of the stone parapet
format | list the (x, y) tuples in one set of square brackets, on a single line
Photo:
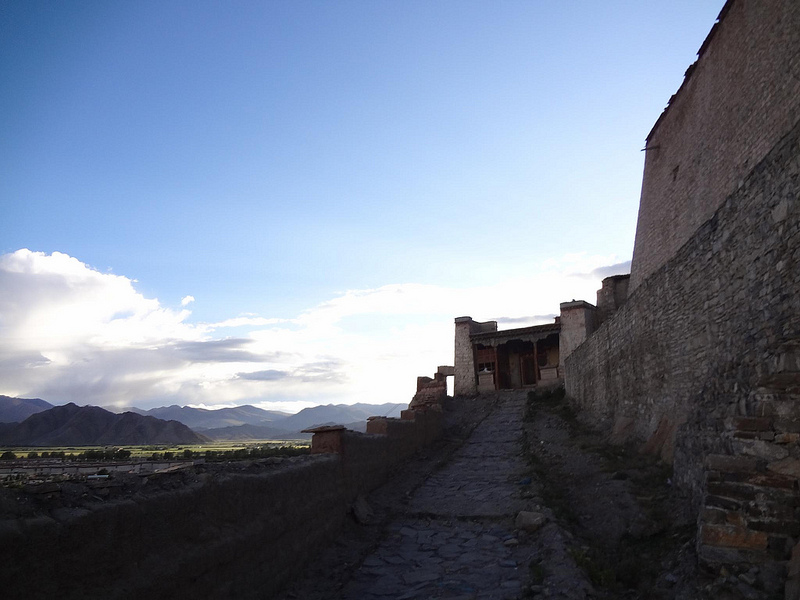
[(239, 534), (326, 439)]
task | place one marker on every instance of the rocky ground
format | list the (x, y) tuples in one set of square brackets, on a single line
[(520, 501)]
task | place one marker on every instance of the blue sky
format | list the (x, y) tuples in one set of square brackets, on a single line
[(298, 166)]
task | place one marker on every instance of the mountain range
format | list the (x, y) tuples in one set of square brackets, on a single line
[(16, 410), (32, 421), (72, 425), (200, 419)]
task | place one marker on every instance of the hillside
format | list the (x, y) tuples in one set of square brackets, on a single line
[(72, 425), (91, 425), (16, 410)]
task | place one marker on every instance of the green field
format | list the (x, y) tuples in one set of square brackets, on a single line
[(211, 450)]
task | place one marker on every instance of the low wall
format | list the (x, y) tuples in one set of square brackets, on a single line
[(369, 458), (239, 536), (710, 335), (232, 535)]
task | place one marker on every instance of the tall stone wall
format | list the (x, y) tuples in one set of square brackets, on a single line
[(698, 338), (736, 102)]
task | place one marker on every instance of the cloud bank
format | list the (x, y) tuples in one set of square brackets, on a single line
[(69, 332)]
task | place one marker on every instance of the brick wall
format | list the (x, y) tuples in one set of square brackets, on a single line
[(736, 102)]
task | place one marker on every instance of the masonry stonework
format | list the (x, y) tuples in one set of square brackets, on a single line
[(611, 297), (710, 321), (710, 335)]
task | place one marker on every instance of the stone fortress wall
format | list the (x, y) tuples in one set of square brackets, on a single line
[(736, 102), (702, 362)]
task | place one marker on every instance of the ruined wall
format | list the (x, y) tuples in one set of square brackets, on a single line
[(736, 102), (698, 338), (430, 391)]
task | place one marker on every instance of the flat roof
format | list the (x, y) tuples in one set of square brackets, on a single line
[(536, 332)]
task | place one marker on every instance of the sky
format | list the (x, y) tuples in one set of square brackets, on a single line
[(287, 203)]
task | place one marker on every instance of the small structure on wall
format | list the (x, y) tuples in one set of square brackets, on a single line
[(529, 357), (487, 359)]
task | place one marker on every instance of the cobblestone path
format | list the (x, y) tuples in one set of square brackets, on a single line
[(457, 539)]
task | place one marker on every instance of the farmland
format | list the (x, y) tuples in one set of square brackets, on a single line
[(209, 451)]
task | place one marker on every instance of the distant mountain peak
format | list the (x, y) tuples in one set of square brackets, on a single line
[(16, 410), (70, 424)]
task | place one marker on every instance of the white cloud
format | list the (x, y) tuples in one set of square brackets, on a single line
[(71, 333), (246, 321), (50, 303), (187, 300)]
